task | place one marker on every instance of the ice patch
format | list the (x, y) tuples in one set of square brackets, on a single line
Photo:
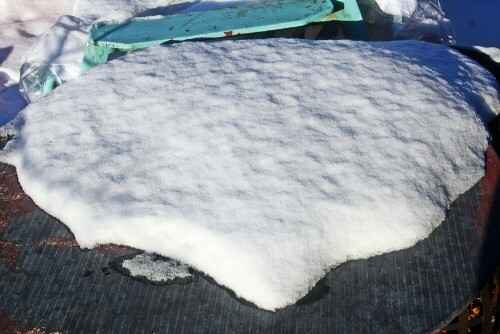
[(263, 163), (158, 271)]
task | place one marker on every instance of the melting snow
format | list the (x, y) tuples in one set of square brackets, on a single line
[(262, 163)]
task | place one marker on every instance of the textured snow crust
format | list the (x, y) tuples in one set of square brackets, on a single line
[(263, 163)]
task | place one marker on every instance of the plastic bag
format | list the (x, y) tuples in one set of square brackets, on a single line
[(54, 59), (427, 22)]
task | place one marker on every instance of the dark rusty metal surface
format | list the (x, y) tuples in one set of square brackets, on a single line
[(47, 282)]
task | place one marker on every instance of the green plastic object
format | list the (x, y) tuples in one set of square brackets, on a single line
[(109, 37), (49, 84)]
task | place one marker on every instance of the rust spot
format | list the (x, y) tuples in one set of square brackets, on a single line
[(228, 33), (488, 183), (8, 325), (58, 242), (9, 253), (11, 326), (14, 202)]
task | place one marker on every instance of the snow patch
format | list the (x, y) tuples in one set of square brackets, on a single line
[(263, 163)]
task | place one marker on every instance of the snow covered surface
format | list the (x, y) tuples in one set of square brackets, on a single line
[(262, 163), (159, 271)]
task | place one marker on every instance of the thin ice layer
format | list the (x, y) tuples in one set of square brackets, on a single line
[(263, 163)]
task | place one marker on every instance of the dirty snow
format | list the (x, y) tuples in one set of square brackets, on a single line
[(262, 163)]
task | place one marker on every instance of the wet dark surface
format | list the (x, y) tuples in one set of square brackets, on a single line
[(50, 283)]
